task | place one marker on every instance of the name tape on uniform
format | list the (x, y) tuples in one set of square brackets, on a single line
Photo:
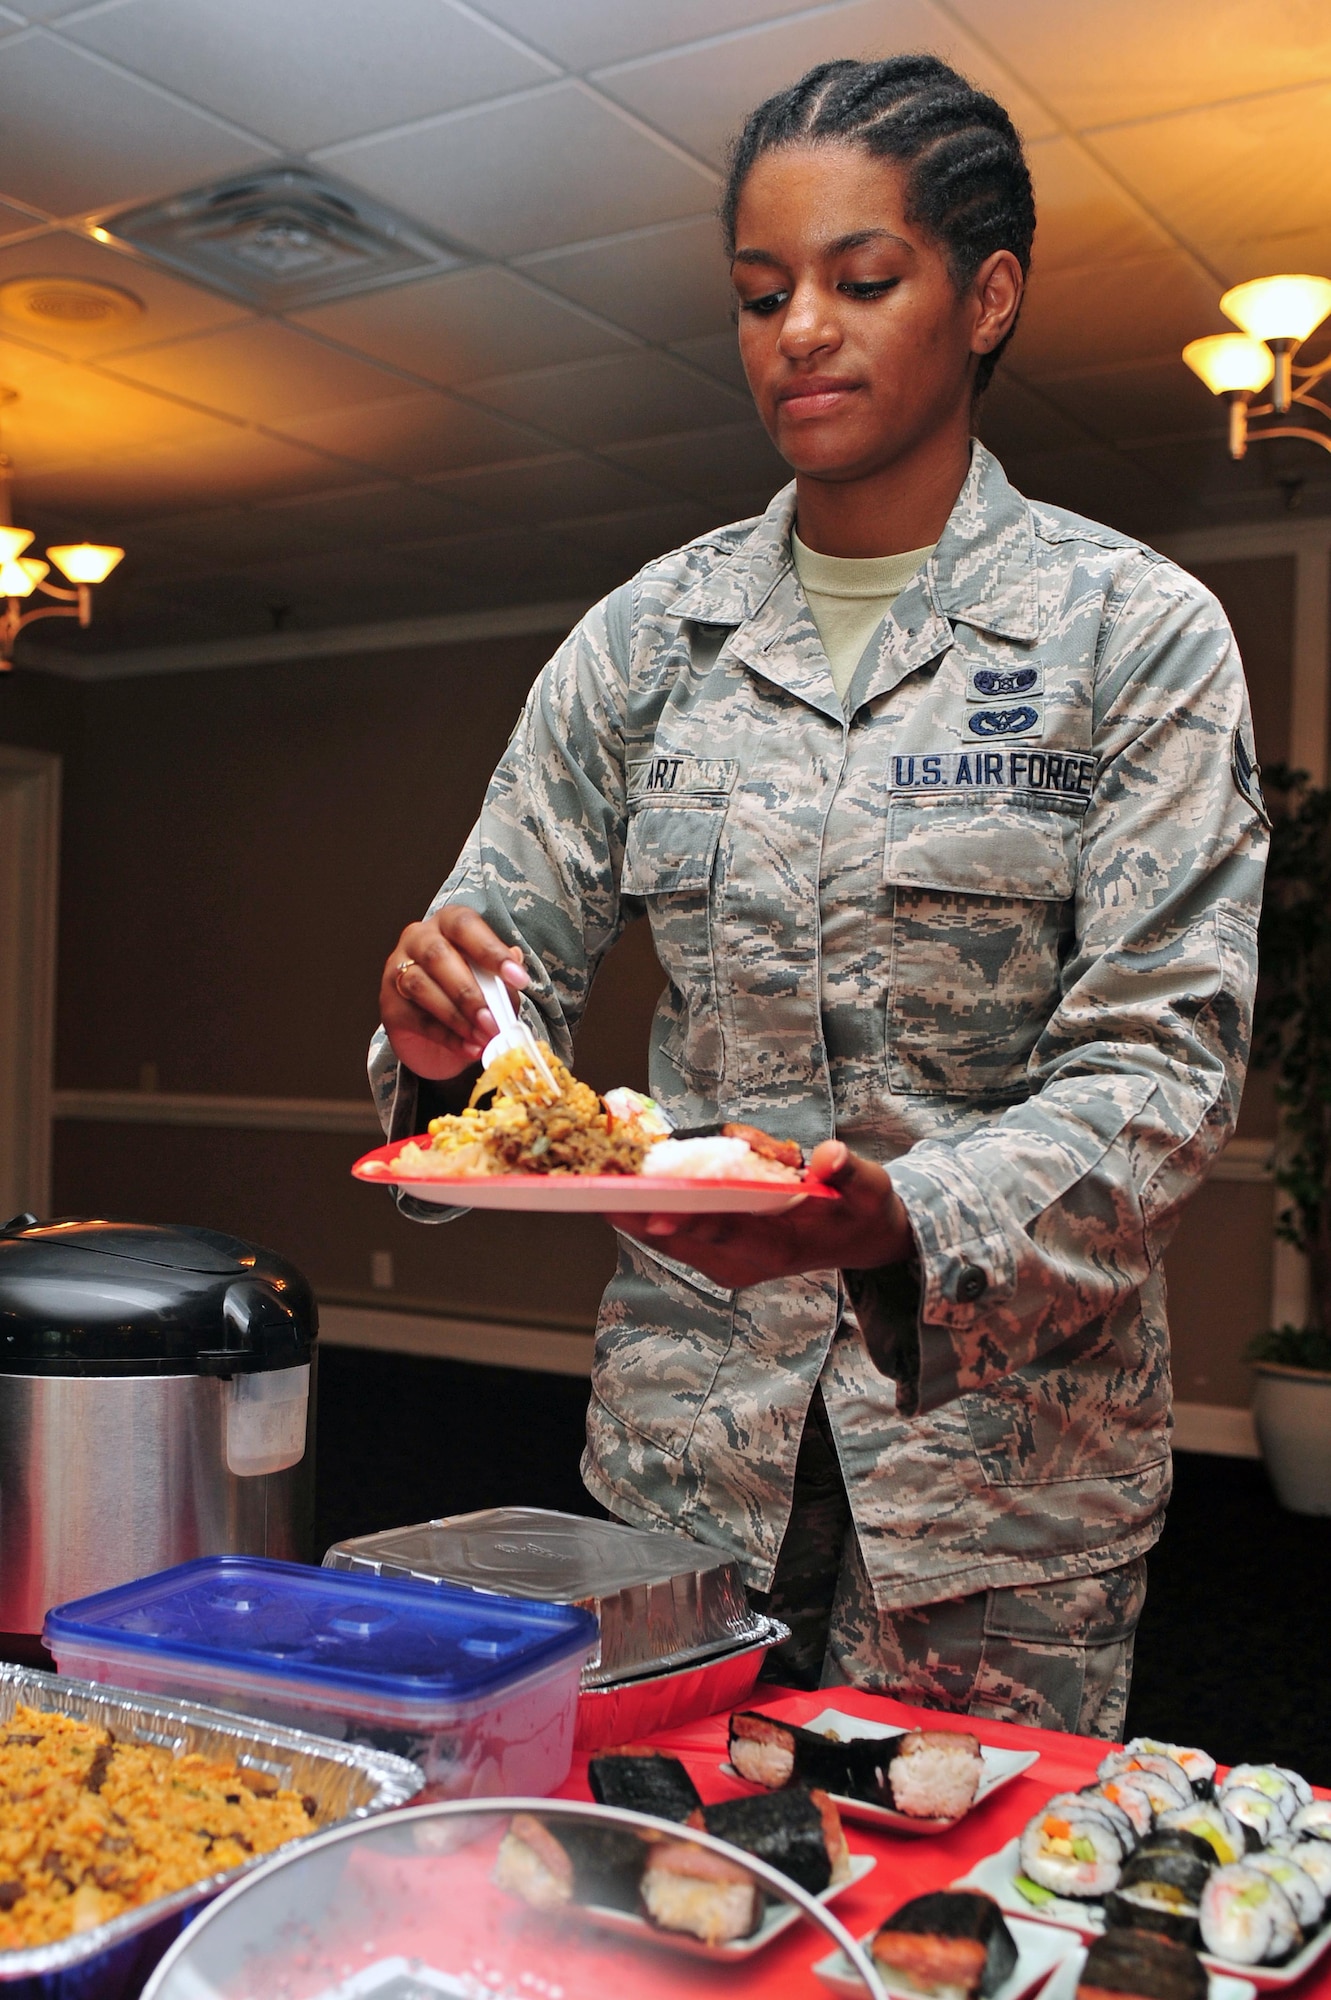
[(652, 777), (1066, 773)]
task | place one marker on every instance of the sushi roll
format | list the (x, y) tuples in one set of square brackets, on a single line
[(552, 1863), (689, 1888), (936, 1773), (1289, 1791), (950, 1944), (771, 1753), (1247, 1918), (1160, 1887), (1211, 1822), (1094, 1800), (1313, 1822), (795, 1830), (1312, 1856), (1131, 1797), (645, 1782), (1197, 1766), (1307, 1900), (1261, 1816), (1073, 1851), (1139, 1965), (1165, 1782)]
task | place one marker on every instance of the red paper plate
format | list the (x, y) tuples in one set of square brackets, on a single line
[(595, 1194)]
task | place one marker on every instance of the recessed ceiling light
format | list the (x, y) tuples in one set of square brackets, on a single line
[(68, 305), (283, 237)]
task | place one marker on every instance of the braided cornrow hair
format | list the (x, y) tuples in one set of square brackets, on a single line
[(968, 185)]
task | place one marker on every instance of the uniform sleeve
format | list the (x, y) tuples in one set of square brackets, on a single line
[(1037, 1225), (542, 863)]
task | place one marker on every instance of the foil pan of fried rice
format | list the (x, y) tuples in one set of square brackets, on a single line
[(121, 1814)]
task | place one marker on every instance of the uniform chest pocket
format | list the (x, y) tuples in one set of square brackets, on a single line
[(981, 894), (669, 858)]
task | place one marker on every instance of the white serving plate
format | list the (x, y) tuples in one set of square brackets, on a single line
[(1063, 1985), (996, 1876), (999, 1768), (592, 1194), (777, 1918), (1040, 1947)]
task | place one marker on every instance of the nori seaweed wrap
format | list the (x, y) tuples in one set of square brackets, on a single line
[(1160, 1886), (551, 1863), (951, 1942), (644, 1782), (776, 1754), (1142, 1966), (795, 1830)]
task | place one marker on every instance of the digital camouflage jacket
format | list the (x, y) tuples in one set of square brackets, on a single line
[(994, 924)]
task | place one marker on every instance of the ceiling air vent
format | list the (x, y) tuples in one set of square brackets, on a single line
[(282, 237)]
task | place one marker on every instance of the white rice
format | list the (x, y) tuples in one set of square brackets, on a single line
[(714, 1159)]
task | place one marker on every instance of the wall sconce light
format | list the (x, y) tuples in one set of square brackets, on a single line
[(1276, 315), (83, 564)]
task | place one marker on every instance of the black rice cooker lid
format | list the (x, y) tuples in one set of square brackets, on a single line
[(91, 1297)]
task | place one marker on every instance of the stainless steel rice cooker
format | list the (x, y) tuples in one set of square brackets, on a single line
[(156, 1403)]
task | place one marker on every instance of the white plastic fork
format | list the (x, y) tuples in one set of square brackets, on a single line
[(513, 1033)]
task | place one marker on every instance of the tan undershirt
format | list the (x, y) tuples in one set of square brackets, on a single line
[(849, 597)]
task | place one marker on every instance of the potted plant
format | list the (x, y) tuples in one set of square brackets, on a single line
[(1292, 1403)]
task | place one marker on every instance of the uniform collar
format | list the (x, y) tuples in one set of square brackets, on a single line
[(982, 572)]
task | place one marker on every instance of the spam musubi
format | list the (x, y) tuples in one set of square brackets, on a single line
[(796, 1830), (924, 1773), (1141, 1965), (644, 1781), (951, 1944), (552, 1863), (692, 1889)]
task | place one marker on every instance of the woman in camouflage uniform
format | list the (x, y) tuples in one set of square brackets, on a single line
[(941, 805)]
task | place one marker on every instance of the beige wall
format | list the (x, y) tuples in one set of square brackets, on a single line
[(240, 851)]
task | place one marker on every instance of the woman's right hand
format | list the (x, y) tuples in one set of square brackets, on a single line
[(431, 1007)]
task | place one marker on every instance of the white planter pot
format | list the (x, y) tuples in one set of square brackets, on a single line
[(1292, 1413)]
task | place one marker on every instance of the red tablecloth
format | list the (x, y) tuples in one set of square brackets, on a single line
[(907, 1864)]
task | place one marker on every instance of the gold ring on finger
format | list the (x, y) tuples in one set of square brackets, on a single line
[(403, 965)]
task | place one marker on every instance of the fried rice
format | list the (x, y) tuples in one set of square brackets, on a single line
[(91, 1827), (521, 1132)]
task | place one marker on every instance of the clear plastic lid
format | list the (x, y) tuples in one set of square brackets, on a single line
[(371, 1636), (516, 1899)]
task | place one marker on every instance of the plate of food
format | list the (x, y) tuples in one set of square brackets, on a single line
[(912, 1781), (527, 1143), (676, 1891), (951, 1944)]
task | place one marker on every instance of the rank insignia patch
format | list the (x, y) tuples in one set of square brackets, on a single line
[(1022, 719)]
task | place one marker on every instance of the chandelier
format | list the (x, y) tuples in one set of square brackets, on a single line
[(82, 564), (1276, 316)]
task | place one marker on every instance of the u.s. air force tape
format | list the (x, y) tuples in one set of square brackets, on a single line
[(1047, 771)]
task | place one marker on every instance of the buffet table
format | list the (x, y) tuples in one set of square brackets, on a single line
[(907, 1865)]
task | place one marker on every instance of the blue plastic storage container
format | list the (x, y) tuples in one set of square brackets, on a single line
[(480, 1691)]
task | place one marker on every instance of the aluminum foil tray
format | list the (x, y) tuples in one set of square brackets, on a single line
[(663, 1600), (348, 1780)]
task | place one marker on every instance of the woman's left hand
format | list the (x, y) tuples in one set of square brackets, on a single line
[(867, 1227)]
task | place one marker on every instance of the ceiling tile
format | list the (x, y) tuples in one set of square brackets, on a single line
[(416, 435), (1084, 216), (76, 134), (262, 371), (1105, 60), (710, 463), (1103, 486), (233, 464), (601, 402), (172, 308), (547, 489), (1151, 400), (669, 283), (701, 96), (514, 566), (311, 71), (552, 167), (717, 354), (468, 324), (584, 32), (1233, 175), (1100, 314), (632, 540), (66, 415)]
